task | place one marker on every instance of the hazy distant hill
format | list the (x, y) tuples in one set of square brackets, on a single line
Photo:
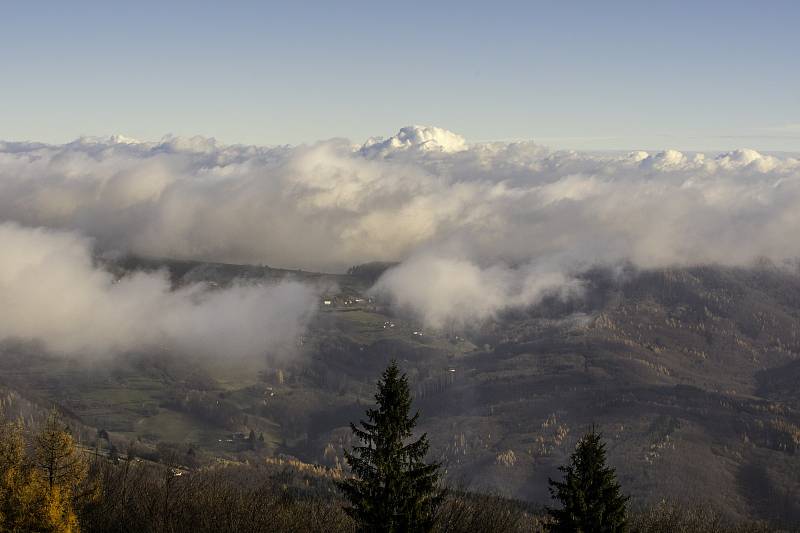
[(688, 373)]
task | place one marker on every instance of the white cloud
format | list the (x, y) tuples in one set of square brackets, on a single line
[(448, 291), (52, 292), (490, 213)]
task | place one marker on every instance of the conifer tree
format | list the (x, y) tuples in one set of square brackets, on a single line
[(61, 468), (393, 488), (19, 498), (28, 502), (55, 454), (591, 497)]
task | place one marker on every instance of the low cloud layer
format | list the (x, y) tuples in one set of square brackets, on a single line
[(477, 227), (52, 293), (448, 291)]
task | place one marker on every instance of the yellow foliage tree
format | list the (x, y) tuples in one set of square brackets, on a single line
[(62, 467), (12, 476), (56, 457), (37, 494), (23, 496)]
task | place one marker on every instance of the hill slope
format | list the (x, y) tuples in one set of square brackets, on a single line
[(690, 373)]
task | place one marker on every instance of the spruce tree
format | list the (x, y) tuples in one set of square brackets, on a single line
[(393, 488), (591, 497)]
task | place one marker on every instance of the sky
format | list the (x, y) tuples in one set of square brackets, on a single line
[(584, 75)]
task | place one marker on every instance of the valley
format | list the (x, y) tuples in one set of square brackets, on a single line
[(690, 373)]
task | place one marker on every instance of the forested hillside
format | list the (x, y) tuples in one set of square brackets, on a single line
[(689, 374)]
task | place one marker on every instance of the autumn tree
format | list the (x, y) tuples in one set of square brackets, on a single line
[(56, 456), (393, 488), (21, 497), (591, 498), (62, 468), (29, 501)]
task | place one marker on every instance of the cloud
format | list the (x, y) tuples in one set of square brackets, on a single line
[(447, 291), (52, 293), (497, 216)]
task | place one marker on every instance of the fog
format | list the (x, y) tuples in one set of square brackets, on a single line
[(476, 227), (52, 293)]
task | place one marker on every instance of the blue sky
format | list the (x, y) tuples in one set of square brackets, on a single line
[(586, 75)]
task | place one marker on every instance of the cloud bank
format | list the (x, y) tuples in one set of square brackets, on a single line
[(477, 227), (52, 293), (448, 291)]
